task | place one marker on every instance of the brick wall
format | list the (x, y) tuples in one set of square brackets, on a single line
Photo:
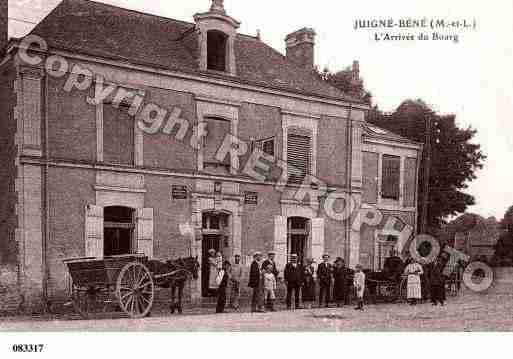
[(71, 123), (332, 150), (169, 213), (165, 151), (260, 122), (70, 190)]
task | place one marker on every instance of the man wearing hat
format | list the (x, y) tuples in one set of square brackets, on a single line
[(293, 276), (324, 272), (255, 282), (274, 270)]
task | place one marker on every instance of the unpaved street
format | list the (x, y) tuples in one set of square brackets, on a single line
[(467, 313)]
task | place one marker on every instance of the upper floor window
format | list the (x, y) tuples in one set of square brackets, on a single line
[(390, 177), (118, 135), (266, 145), (216, 50), (217, 130), (299, 154)]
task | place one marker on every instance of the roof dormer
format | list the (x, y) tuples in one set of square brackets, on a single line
[(217, 32)]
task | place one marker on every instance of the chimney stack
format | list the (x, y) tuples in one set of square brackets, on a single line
[(300, 47), (4, 26)]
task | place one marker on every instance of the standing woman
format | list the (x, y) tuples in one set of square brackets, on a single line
[(213, 270), (309, 284), (414, 290), (340, 276)]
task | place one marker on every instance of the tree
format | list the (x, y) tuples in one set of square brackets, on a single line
[(504, 246), (454, 158)]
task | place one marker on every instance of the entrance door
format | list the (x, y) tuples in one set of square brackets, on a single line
[(210, 241), (298, 232), (216, 237)]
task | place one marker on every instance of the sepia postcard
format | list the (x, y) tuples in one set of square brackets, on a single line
[(254, 166)]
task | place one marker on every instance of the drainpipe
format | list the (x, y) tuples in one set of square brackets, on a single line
[(46, 200), (349, 170)]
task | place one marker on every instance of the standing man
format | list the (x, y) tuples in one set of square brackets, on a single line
[(255, 282), (324, 272), (235, 279), (274, 270), (293, 275)]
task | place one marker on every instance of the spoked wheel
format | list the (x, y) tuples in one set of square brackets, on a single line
[(90, 302), (403, 290), (135, 290), (390, 292)]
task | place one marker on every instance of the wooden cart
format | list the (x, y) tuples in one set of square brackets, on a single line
[(113, 284)]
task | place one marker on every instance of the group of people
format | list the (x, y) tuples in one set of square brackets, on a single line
[(301, 280), (335, 281)]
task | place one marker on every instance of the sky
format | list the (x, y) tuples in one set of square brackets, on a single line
[(472, 78)]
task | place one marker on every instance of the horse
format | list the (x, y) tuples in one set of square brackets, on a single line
[(174, 274)]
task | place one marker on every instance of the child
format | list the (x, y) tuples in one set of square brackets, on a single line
[(269, 286), (359, 285), (222, 281)]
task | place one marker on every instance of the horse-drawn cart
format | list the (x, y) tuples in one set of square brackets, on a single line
[(124, 283)]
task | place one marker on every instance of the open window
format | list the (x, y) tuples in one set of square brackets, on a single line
[(118, 230), (217, 130), (216, 50)]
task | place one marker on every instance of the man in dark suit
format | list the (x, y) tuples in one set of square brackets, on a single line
[(255, 282), (324, 273), (274, 270), (293, 276)]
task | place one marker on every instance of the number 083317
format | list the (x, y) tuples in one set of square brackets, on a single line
[(27, 348)]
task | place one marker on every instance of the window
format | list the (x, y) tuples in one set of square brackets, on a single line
[(118, 135), (299, 149), (390, 177), (216, 50), (118, 229), (217, 130), (266, 145)]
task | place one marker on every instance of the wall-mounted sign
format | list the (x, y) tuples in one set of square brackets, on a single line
[(178, 192), (250, 198)]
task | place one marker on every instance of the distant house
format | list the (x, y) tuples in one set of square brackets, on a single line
[(474, 235)]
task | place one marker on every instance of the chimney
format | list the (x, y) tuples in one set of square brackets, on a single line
[(300, 47), (4, 23)]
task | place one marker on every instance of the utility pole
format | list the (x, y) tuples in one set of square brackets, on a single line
[(427, 169)]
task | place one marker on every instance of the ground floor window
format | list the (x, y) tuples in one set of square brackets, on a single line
[(118, 231), (298, 232)]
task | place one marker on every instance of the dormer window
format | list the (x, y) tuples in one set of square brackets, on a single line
[(217, 33), (216, 50)]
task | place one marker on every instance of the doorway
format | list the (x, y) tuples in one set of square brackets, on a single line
[(215, 235), (298, 232)]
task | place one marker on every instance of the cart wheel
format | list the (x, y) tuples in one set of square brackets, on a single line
[(88, 302), (135, 290), (403, 290)]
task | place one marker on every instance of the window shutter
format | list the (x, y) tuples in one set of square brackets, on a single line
[(280, 240), (317, 238), (145, 232), (298, 157), (390, 177), (94, 231)]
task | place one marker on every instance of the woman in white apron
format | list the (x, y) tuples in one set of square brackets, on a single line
[(213, 270), (414, 290)]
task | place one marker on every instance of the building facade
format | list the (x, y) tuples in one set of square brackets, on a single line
[(90, 172)]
